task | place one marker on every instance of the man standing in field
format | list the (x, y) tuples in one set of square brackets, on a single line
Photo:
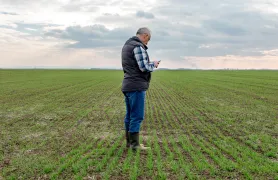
[(137, 75)]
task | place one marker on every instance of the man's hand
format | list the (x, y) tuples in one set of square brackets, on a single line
[(156, 63)]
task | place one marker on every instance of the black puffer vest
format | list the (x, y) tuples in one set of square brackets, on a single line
[(134, 78)]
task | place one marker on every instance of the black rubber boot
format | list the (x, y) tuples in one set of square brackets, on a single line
[(134, 142), (127, 138)]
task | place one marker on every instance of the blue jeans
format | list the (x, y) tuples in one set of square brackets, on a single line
[(135, 107)]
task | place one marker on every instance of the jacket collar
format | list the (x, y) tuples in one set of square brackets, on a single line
[(135, 38)]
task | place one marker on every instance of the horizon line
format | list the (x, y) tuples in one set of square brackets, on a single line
[(67, 68)]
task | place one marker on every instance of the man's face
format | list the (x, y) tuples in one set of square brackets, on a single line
[(146, 38)]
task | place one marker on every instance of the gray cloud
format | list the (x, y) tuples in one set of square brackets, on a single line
[(6, 27), (70, 6), (77, 6), (92, 36), (14, 1), (29, 4), (30, 29), (213, 37), (9, 13), (143, 14), (224, 27)]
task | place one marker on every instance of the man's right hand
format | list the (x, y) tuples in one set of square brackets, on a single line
[(156, 63)]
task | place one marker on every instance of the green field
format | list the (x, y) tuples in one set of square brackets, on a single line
[(68, 124)]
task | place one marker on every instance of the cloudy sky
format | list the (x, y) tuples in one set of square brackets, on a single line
[(185, 33)]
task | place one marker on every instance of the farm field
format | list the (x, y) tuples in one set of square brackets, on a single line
[(68, 124)]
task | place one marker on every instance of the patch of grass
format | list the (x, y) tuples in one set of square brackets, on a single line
[(67, 124)]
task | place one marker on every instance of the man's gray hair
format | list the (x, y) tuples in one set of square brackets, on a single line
[(144, 30)]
